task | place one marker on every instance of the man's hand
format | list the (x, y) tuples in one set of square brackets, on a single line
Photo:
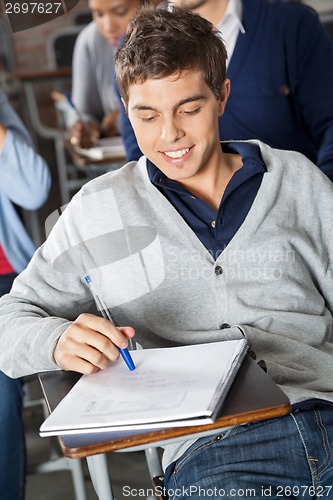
[(84, 134), (90, 343)]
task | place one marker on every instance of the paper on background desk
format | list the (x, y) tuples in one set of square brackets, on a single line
[(170, 387), (108, 147)]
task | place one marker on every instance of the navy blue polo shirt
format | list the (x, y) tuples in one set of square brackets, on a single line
[(214, 228)]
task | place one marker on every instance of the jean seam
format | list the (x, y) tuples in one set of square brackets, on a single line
[(325, 465), (314, 473), (225, 435), (189, 455), (222, 435)]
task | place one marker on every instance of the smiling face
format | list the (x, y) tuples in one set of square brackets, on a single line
[(113, 16), (175, 120)]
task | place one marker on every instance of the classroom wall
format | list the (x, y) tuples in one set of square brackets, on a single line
[(29, 45)]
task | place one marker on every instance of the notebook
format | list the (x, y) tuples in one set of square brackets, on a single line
[(170, 387), (108, 147)]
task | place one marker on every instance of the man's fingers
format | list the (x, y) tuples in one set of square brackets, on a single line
[(128, 331), (76, 350), (118, 336), (90, 343)]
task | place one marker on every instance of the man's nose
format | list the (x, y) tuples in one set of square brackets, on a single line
[(171, 130)]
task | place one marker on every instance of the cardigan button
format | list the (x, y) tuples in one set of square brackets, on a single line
[(218, 270)]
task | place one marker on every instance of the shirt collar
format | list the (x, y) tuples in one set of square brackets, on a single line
[(252, 163), (233, 12)]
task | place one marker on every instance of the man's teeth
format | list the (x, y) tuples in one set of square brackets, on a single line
[(177, 154)]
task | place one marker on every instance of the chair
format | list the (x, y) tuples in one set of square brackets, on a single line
[(81, 17), (7, 55), (60, 46), (55, 462), (7, 60), (68, 175)]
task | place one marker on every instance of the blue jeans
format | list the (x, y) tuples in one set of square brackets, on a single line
[(289, 457), (12, 445)]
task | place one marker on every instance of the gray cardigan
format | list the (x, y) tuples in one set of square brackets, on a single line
[(272, 284)]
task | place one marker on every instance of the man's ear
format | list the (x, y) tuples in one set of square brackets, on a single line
[(224, 95)]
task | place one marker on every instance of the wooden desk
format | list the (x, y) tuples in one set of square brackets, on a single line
[(37, 76), (252, 397)]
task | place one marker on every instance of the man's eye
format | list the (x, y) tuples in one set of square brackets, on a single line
[(148, 118), (191, 111)]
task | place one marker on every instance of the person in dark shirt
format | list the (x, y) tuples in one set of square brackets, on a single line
[(281, 77)]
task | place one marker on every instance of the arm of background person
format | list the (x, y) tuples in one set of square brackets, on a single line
[(85, 93), (24, 175), (85, 123), (315, 83)]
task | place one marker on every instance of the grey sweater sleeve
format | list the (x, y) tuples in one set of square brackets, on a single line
[(42, 304)]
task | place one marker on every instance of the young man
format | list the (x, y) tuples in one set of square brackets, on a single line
[(274, 67), (196, 242)]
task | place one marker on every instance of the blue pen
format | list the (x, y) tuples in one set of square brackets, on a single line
[(106, 314), (72, 105)]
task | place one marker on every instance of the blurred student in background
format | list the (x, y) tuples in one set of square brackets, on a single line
[(93, 71), (24, 184), (280, 63)]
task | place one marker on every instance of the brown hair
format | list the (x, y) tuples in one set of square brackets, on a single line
[(159, 43)]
